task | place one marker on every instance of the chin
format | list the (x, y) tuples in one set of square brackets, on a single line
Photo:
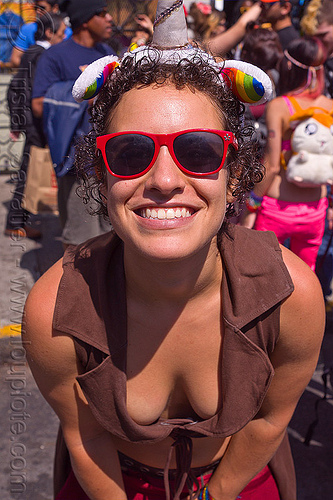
[(170, 249)]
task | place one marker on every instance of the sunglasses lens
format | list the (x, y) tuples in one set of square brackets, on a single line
[(129, 154), (199, 152)]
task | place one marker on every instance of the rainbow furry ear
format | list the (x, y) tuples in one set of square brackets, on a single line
[(250, 84), (93, 78)]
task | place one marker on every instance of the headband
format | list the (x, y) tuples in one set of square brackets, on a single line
[(249, 84), (299, 64), (311, 77)]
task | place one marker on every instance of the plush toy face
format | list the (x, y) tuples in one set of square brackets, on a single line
[(313, 137)]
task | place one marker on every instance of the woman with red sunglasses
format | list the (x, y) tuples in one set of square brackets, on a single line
[(173, 349)]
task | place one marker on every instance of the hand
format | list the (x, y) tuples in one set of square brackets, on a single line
[(251, 15), (145, 23), (140, 38)]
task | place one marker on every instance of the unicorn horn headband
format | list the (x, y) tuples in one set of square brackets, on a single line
[(170, 29), (170, 45)]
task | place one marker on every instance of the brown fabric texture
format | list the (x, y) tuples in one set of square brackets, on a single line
[(91, 306)]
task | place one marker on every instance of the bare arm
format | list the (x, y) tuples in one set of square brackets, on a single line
[(223, 43), (37, 106), (145, 22), (15, 57), (294, 360), (53, 362)]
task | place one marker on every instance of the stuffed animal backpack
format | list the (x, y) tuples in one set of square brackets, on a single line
[(311, 163)]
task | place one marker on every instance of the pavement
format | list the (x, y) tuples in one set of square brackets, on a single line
[(29, 426)]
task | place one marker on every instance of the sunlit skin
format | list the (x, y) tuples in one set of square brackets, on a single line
[(165, 185), (175, 331)]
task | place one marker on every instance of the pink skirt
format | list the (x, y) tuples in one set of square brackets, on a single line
[(144, 487)]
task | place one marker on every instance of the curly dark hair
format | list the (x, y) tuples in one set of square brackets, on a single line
[(196, 74)]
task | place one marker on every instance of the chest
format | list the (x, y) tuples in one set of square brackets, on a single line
[(174, 369)]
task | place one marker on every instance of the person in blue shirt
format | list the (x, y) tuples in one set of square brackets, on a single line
[(91, 25)]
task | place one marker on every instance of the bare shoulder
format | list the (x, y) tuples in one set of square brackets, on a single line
[(42, 297), (277, 105), (277, 114), (324, 102), (303, 312), (46, 352), (43, 294)]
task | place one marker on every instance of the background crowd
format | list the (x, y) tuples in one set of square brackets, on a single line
[(291, 40)]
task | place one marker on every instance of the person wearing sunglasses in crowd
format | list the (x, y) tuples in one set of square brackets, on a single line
[(180, 344)]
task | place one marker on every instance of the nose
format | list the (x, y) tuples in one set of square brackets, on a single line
[(108, 17), (165, 176)]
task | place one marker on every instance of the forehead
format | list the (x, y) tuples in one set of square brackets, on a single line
[(323, 29), (164, 109)]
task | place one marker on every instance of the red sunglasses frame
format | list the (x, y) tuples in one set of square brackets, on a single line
[(167, 140)]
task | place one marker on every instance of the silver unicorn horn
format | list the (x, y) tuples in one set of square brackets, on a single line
[(170, 29)]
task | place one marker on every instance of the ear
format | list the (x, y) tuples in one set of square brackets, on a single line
[(248, 83), (93, 78), (100, 168), (232, 183), (286, 8), (49, 34)]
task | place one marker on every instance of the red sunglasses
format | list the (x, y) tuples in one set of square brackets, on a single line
[(196, 152)]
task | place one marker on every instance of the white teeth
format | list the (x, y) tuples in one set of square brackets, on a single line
[(161, 213), (165, 213)]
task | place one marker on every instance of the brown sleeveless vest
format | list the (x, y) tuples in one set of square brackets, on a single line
[(91, 307)]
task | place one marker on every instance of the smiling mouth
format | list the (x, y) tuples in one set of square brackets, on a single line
[(165, 213)]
